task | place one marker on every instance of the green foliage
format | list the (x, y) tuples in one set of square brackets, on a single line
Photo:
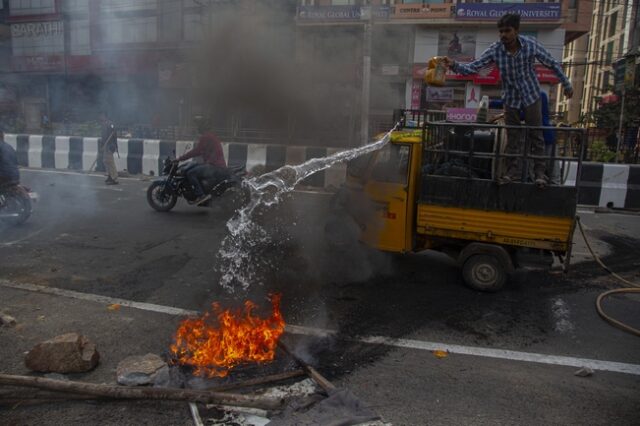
[(608, 115), (600, 152)]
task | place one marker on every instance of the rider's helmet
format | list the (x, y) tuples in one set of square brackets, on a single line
[(202, 124)]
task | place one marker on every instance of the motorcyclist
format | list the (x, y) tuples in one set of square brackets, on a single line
[(213, 166), (9, 173)]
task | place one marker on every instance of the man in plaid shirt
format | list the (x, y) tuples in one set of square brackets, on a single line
[(515, 56)]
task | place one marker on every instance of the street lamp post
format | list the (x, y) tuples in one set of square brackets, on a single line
[(366, 14)]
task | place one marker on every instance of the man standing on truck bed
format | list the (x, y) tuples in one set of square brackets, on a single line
[(515, 56)]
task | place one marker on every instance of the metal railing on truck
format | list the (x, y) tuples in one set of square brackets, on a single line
[(478, 151)]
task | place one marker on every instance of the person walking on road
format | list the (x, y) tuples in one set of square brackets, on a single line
[(109, 145), (213, 166), (9, 173), (515, 56)]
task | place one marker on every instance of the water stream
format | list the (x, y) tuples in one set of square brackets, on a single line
[(236, 255)]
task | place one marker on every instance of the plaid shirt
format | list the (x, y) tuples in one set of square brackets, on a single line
[(518, 74)]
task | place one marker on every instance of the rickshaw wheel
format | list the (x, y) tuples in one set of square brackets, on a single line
[(484, 272)]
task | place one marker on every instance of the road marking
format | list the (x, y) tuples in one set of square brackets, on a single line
[(33, 234), (594, 364), (59, 172), (97, 298)]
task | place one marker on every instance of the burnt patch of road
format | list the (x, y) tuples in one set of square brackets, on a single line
[(405, 295)]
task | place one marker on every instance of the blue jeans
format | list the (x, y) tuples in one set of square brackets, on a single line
[(193, 176), (197, 173)]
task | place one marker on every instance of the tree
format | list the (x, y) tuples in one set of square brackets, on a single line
[(608, 115)]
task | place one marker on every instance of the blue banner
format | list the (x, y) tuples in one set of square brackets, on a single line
[(340, 13), (493, 11)]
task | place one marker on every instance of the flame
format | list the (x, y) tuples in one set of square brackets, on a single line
[(221, 339)]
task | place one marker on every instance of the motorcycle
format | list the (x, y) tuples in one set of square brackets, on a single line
[(16, 203), (163, 194)]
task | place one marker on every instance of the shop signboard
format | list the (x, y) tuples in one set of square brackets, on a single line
[(37, 63), (422, 11), (37, 30), (37, 46), (462, 115), (439, 94), (341, 13), (488, 75), (493, 11)]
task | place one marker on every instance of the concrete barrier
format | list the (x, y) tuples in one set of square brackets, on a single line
[(603, 185), (145, 156), (607, 185)]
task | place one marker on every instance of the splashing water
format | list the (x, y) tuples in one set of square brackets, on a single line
[(235, 256)]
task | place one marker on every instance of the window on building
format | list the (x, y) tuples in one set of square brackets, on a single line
[(609, 57), (118, 6), (79, 37), (612, 23), (132, 29), (76, 7), (192, 28), (124, 21), (31, 7)]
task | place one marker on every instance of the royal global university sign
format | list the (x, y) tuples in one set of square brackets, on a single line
[(493, 11), (341, 13)]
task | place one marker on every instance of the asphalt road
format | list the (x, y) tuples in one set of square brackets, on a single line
[(104, 240)]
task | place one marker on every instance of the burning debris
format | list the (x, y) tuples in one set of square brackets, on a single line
[(220, 340)]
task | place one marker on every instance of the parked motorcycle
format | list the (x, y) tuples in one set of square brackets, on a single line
[(16, 203), (163, 194)]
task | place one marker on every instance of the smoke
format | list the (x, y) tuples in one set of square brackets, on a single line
[(257, 67)]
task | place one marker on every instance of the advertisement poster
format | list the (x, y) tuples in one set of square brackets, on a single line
[(472, 96), (458, 45), (416, 90), (462, 115), (439, 94)]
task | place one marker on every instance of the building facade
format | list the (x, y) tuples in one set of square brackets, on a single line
[(406, 34), (327, 68), (141, 61), (609, 41)]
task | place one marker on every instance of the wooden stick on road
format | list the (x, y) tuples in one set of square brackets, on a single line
[(120, 392), (259, 381), (315, 375)]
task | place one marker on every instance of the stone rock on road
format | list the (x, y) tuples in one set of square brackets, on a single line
[(140, 370), (67, 353), (7, 320)]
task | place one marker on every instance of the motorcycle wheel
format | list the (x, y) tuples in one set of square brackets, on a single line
[(18, 205), (159, 201)]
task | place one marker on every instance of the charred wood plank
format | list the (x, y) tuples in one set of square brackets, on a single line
[(260, 381), (325, 384), (119, 392)]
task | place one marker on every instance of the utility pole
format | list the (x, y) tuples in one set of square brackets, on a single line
[(624, 90), (366, 14)]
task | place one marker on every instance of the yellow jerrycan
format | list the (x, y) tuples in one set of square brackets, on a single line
[(436, 72)]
